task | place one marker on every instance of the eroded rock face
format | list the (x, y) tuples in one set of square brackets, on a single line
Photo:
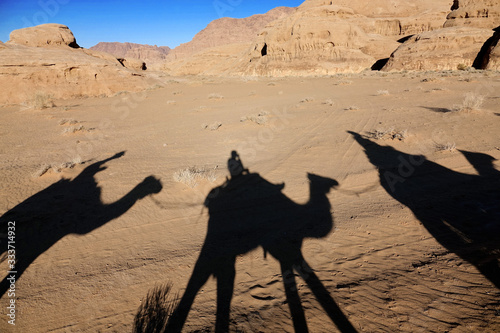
[(146, 53), (326, 37), (227, 31), (474, 13), (443, 49), (59, 70), (489, 56), (45, 35)]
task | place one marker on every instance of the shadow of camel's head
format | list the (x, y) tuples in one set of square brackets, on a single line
[(323, 184)]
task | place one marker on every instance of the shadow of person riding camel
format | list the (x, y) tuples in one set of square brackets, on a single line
[(461, 211), (63, 208), (247, 212)]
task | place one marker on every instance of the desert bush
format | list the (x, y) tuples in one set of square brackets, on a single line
[(41, 100), (307, 100), (74, 129), (192, 175), (383, 93), (472, 102), (259, 118), (389, 133), (449, 146), (215, 96)]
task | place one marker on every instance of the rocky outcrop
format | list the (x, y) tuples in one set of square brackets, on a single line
[(474, 13), (466, 41), (147, 53), (44, 35), (443, 49), (489, 56), (60, 70), (227, 31)]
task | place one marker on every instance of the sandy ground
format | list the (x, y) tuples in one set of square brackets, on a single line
[(381, 265)]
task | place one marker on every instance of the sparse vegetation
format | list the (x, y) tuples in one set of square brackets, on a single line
[(216, 96), (68, 122), (351, 108), (462, 67), (259, 118), (472, 102), (307, 100), (388, 134), (449, 146), (383, 93), (192, 175), (41, 101)]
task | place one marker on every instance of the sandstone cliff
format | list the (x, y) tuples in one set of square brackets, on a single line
[(45, 60), (227, 31), (467, 40), (146, 53)]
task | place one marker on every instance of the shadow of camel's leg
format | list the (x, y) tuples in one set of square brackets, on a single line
[(292, 296), (201, 273), (225, 287), (323, 297)]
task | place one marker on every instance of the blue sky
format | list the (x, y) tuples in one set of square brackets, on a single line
[(162, 23)]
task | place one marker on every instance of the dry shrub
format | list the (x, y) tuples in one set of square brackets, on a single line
[(389, 133), (192, 175), (472, 102), (154, 311)]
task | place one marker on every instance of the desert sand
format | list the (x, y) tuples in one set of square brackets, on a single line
[(336, 198), (380, 264)]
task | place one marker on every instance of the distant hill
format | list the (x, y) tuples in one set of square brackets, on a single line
[(144, 52)]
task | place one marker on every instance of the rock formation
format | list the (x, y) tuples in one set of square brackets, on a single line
[(44, 35), (45, 60), (146, 53), (443, 49), (479, 14), (227, 31), (466, 40), (325, 37)]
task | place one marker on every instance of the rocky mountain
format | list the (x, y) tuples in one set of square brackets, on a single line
[(46, 60), (227, 31), (144, 52)]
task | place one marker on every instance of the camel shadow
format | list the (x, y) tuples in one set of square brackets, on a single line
[(461, 211), (63, 208), (249, 212)]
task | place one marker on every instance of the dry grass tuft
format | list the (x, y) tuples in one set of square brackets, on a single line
[(192, 175), (388, 134), (213, 127), (383, 93), (74, 129), (329, 102), (259, 118), (41, 100), (215, 96), (449, 146), (307, 100), (472, 102)]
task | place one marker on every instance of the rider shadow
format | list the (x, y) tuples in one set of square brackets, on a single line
[(461, 211), (247, 212), (63, 208)]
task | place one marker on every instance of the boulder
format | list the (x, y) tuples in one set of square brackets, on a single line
[(489, 57), (44, 35)]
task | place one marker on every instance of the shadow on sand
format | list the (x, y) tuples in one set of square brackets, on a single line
[(63, 208), (247, 212), (461, 211)]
